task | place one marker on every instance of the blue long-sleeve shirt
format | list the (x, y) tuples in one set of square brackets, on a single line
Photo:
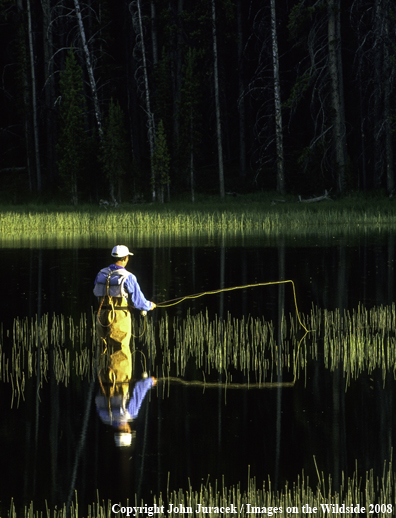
[(121, 413), (131, 286)]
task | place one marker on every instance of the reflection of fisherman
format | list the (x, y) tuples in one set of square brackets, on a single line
[(118, 291), (115, 408)]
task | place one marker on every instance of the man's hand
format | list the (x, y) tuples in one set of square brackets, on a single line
[(153, 306)]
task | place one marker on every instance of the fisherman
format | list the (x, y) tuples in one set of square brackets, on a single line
[(118, 291)]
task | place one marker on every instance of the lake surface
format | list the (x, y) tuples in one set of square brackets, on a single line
[(53, 441)]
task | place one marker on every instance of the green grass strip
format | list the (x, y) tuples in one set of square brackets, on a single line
[(246, 214)]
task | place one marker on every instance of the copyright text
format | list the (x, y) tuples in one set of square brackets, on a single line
[(330, 509)]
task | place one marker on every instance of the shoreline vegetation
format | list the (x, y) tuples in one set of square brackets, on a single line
[(266, 213)]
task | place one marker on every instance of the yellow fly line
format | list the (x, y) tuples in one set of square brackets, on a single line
[(217, 384), (228, 385), (205, 384), (173, 302)]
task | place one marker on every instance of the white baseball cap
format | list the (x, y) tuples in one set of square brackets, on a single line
[(120, 251), (123, 439)]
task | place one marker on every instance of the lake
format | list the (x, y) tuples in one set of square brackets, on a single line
[(187, 433)]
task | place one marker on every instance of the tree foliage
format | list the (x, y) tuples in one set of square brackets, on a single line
[(190, 119), (161, 163), (115, 155), (72, 137)]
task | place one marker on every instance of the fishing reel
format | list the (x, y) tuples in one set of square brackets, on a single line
[(143, 313)]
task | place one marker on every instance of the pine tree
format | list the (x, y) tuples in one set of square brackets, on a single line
[(115, 154), (72, 139), (189, 116), (161, 162), (163, 106)]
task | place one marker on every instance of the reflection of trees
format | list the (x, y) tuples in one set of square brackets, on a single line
[(52, 418), (390, 268), (281, 312), (338, 442), (361, 273), (54, 432), (221, 316), (357, 422), (51, 422)]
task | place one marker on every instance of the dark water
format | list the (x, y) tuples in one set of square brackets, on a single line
[(55, 443)]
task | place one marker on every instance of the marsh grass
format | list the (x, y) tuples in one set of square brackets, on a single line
[(46, 346), (203, 348), (360, 340), (245, 213), (247, 346), (375, 493)]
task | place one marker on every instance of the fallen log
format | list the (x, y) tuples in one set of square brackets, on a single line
[(318, 198)]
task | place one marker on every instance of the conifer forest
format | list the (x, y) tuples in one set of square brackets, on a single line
[(149, 99)]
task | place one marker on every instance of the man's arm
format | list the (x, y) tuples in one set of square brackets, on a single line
[(138, 299), (139, 393)]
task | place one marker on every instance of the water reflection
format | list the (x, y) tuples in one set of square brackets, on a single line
[(118, 402), (184, 430)]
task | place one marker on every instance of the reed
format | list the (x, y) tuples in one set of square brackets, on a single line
[(202, 348), (373, 493), (42, 346)]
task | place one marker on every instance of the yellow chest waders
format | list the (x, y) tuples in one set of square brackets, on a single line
[(114, 328)]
